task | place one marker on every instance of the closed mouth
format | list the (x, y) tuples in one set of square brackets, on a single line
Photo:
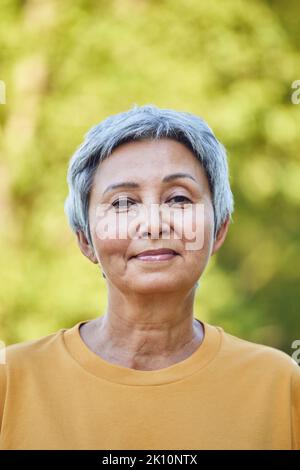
[(156, 255)]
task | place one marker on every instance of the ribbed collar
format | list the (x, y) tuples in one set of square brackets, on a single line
[(99, 367)]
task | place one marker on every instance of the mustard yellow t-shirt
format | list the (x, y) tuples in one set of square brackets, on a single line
[(55, 393)]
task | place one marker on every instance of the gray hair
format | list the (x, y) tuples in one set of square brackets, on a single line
[(141, 122)]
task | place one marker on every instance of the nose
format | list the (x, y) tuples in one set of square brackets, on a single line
[(152, 223)]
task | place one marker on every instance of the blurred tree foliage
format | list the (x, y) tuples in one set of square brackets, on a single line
[(69, 64)]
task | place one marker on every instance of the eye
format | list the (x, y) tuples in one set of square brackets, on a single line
[(121, 204), (184, 200)]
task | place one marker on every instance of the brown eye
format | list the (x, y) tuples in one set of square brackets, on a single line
[(121, 204), (182, 200)]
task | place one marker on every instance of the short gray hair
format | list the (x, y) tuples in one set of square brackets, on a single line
[(141, 122)]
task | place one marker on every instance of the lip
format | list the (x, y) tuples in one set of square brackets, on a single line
[(162, 254)]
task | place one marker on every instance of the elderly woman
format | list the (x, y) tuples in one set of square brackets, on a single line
[(150, 203)]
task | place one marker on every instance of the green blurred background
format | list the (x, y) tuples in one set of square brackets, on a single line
[(69, 64)]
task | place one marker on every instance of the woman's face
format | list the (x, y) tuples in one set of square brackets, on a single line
[(149, 210)]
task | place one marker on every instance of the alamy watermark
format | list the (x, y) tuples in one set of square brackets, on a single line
[(295, 98), (296, 354), (188, 223)]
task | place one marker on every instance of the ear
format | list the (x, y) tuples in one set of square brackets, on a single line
[(85, 247), (221, 235)]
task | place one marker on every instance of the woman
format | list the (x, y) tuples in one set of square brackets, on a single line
[(150, 203)]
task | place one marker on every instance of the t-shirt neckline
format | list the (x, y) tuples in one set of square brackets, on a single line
[(103, 369)]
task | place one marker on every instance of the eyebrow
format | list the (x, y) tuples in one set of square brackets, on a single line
[(134, 185)]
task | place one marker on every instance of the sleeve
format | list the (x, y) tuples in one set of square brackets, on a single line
[(296, 408)]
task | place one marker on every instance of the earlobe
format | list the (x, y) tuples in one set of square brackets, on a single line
[(85, 247), (221, 235)]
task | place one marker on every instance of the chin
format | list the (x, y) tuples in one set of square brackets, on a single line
[(157, 284)]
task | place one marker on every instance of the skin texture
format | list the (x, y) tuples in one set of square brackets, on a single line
[(149, 322)]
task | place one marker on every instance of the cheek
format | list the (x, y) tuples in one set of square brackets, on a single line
[(194, 227), (110, 225), (112, 237), (197, 243), (110, 249)]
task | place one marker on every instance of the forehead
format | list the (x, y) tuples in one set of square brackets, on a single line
[(147, 160)]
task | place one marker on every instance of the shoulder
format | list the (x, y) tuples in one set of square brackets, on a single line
[(21, 361), (264, 358), (276, 376), (17, 360), (19, 355)]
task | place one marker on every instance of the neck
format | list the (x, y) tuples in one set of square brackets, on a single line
[(145, 332)]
